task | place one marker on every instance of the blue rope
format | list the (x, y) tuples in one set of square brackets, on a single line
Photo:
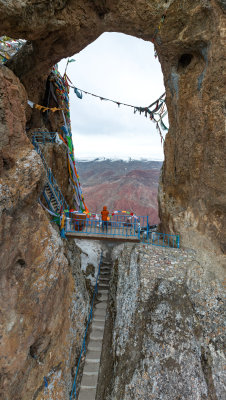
[(83, 349), (45, 381)]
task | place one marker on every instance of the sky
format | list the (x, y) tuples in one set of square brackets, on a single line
[(122, 68)]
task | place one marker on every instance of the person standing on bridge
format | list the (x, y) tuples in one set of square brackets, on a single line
[(104, 215)]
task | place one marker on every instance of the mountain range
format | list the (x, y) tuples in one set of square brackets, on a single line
[(121, 185)]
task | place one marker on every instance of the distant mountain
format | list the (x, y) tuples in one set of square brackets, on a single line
[(121, 185)]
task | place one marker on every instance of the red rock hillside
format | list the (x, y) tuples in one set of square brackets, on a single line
[(121, 185)]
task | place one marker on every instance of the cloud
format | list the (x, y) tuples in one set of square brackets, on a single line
[(124, 69)]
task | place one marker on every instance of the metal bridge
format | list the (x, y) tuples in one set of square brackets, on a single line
[(121, 227)]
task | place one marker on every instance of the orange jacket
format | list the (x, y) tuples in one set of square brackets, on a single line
[(104, 214)]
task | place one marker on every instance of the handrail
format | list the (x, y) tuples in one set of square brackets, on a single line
[(74, 388), (45, 137), (50, 176), (89, 227), (161, 239)]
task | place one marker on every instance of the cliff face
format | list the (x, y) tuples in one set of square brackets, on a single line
[(191, 194), (166, 337), (43, 298), (190, 46)]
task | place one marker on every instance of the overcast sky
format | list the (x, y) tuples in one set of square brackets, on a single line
[(124, 69)]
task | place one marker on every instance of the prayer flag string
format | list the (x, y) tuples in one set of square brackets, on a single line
[(9, 47), (156, 110), (43, 108)]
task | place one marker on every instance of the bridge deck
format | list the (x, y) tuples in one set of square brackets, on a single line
[(101, 236), (90, 230)]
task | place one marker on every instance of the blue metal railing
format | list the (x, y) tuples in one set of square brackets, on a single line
[(123, 217), (44, 137), (97, 227), (161, 239), (53, 197), (51, 180), (83, 349)]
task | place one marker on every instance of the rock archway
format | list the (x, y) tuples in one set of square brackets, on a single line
[(35, 263), (190, 46)]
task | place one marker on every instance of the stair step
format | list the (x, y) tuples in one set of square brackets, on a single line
[(87, 394), (101, 312), (99, 331), (95, 348), (105, 274), (102, 279), (89, 381), (91, 367), (91, 373), (98, 325), (103, 291), (100, 318), (96, 336), (104, 285), (93, 355), (93, 360), (95, 344), (102, 297), (88, 387), (101, 305)]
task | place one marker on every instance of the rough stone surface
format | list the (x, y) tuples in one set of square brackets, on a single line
[(43, 297), (37, 283), (168, 327), (191, 194), (190, 46)]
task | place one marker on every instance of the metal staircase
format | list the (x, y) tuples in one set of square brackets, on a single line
[(52, 193), (51, 199)]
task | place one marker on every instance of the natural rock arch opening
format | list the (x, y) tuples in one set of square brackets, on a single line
[(191, 196), (121, 68), (126, 142), (186, 33)]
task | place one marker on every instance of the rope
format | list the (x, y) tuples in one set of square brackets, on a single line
[(114, 101), (158, 107)]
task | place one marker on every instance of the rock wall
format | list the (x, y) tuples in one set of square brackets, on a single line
[(43, 295), (190, 46), (191, 194), (167, 328)]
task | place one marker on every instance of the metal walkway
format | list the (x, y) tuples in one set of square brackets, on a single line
[(90, 229), (101, 236), (120, 227)]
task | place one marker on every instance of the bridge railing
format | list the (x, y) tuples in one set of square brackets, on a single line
[(52, 181), (97, 227), (161, 239), (123, 217)]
